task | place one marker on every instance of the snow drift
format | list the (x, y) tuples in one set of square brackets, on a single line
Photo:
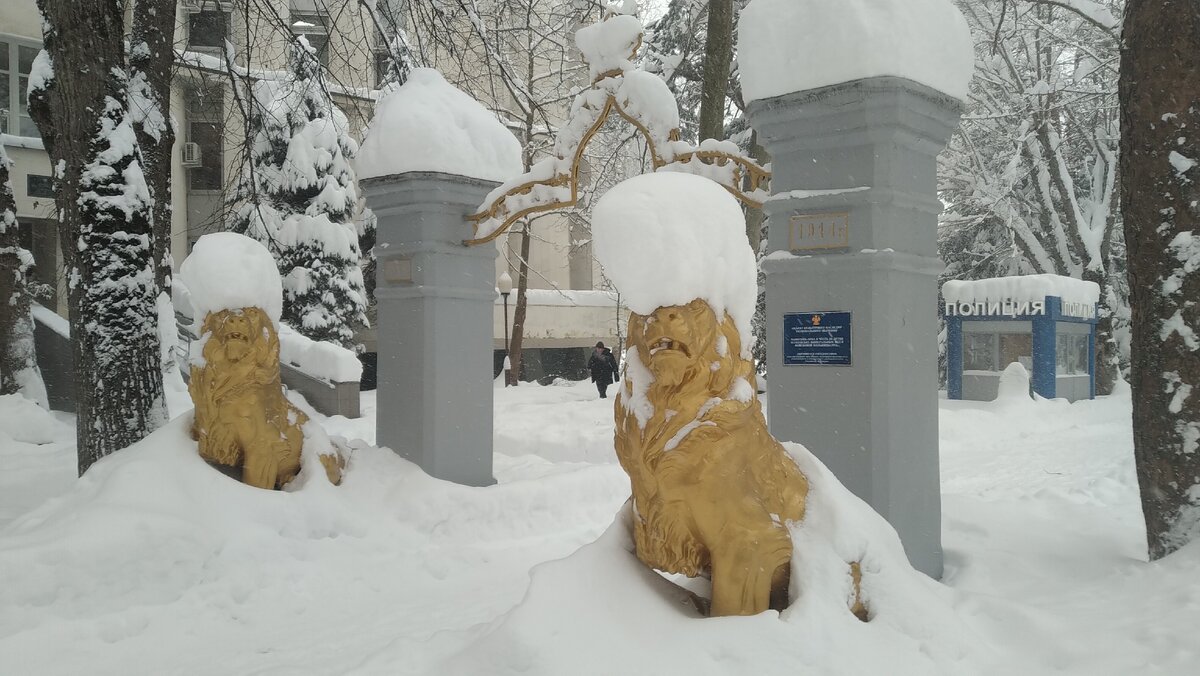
[(601, 611)]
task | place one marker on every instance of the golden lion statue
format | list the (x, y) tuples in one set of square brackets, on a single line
[(713, 491), (242, 419)]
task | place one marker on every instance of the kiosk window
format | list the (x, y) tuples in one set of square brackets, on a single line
[(1071, 354), (979, 351), (1016, 347)]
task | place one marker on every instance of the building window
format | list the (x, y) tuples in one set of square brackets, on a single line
[(382, 61), (16, 62), (206, 128), (207, 29), (209, 136), (39, 185), (1071, 354), (1016, 347), (979, 352), (312, 26)]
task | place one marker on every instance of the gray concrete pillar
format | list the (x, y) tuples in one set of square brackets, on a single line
[(859, 237), (435, 300)]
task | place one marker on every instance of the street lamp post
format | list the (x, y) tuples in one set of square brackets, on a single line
[(504, 285)]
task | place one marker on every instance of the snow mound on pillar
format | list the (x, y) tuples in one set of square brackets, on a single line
[(668, 238), (427, 124), (602, 610), (228, 271), (787, 46)]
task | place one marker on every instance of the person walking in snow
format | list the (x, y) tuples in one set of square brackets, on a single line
[(603, 367)]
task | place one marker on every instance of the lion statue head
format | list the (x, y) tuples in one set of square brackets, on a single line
[(242, 419), (689, 353), (713, 491)]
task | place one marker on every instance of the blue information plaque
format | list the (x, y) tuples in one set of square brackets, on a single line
[(816, 339)]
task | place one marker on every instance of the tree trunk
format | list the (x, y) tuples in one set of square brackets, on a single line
[(518, 328), (151, 59), (1160, 110), (718, 55), (1107, 366), (755, 216), (104, 216)]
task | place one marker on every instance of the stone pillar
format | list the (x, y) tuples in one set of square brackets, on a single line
[(858, 236), (435, 300)]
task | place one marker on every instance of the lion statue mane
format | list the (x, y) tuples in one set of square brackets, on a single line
[(713, 491), (242, 420)]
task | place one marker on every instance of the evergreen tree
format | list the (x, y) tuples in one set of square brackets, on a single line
[(297, 195), (18, 363)]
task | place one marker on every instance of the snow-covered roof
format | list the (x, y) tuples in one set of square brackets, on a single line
[(1021, 289), (787, 46), (427, 124), (668, 238)]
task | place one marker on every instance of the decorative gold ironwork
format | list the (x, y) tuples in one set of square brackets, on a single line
[(242, 420), (713, 491), (744, 178)]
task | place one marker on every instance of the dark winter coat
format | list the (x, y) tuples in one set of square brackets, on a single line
[(603, 367)]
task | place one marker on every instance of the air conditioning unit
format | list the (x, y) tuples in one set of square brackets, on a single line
[(190, 155), (192, 5)]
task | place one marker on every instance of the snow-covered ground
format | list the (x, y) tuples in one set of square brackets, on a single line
[(154, 564)]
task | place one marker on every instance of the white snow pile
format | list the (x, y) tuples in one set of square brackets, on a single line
[(787, 46), (228, 271), (22, 420), (51, 320), (1020, 289), (328, 361), (601, 611), (153, 560), (1013, 387), (669, 238), (427, 124), (611, 44)]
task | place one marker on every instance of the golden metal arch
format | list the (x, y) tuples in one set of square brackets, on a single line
[(749, 178)]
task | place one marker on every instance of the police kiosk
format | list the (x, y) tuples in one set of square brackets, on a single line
[(1045, 322)]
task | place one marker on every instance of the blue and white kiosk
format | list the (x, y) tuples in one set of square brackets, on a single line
[(1045, 322)]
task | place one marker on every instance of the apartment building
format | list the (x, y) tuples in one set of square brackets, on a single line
[(210, 145)]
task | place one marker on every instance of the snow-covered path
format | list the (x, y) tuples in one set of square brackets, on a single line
[(153, 566)]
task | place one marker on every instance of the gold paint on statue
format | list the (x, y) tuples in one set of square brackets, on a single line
[(713, 491), (242, 420)]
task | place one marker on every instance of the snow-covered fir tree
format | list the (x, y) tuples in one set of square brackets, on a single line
[(18, 363), (297, 195)]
